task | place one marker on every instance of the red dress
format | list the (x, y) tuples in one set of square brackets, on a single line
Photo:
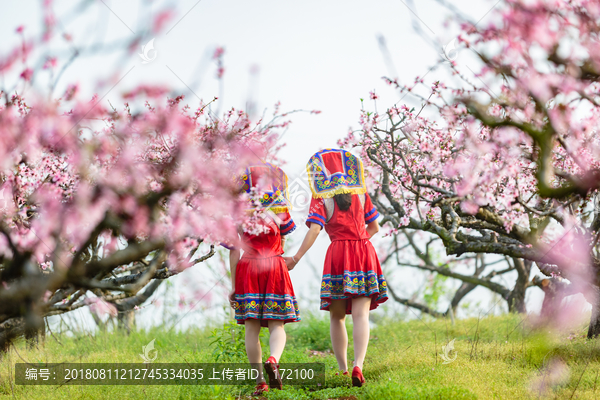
[(263, 288), (351, 268)]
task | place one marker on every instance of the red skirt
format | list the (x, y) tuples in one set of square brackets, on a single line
[(263, 291), (351, 270)]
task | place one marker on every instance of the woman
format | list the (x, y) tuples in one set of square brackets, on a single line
[(262, 293), (353, 282)]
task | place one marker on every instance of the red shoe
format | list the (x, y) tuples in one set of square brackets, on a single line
[(357, 377), (343, 373), (272, 370), (260, 389)]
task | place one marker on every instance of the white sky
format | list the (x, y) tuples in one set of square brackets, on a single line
[(309, 55)]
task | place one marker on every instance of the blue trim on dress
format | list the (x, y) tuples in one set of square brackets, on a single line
[(266, 306), (373, 218), (353, 284), (318, 216), (367, 215), (288, 228), (316, 221)]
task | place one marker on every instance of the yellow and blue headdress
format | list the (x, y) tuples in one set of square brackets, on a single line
[(335, 171), (271, 185)]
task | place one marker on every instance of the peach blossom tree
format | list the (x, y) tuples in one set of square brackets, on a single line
[(505, 162)]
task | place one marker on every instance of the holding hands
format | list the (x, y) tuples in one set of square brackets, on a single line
[(290, 262), (307, 243)]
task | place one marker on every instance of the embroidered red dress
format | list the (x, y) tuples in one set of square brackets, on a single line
[(263, 288), (351, 268)]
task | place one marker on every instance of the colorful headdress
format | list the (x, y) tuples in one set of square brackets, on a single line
[(335, 171), (270, 183)]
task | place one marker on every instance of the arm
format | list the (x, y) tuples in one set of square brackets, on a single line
[(307, 243), (372, 228), (234, 258)]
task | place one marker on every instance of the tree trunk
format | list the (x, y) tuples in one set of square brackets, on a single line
[(126, 320), (594, 329), (10, 330), (125, 307), (34, 328), (516, 298), (555, 291), (466, 287), (34, 336)]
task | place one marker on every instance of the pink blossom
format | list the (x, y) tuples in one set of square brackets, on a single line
[(27, 74), (100, 307), (150, 91), (219, 51), (161, 19), (70, 92), (489, 156), (469, 206), (50, 63)]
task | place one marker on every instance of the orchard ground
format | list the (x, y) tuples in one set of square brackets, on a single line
[(496, 358)]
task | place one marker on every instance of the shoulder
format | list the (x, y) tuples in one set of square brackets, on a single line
[(317, 213), (286, 223)]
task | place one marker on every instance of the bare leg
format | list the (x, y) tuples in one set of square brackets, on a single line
[(277, 339), (361, 329), (339, 335), (253, 349)]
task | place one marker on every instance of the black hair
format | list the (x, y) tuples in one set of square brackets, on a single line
[(343, 200)]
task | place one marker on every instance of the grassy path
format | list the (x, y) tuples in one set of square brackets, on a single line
[(496, 358)]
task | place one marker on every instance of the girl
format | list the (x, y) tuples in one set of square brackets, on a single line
[(353, 282), (262, 294)]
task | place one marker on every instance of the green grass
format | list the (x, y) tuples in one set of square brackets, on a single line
[(497, 358)]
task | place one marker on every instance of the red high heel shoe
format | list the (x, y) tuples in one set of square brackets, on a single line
[(272, 370), (357, 377), (260, 389)]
